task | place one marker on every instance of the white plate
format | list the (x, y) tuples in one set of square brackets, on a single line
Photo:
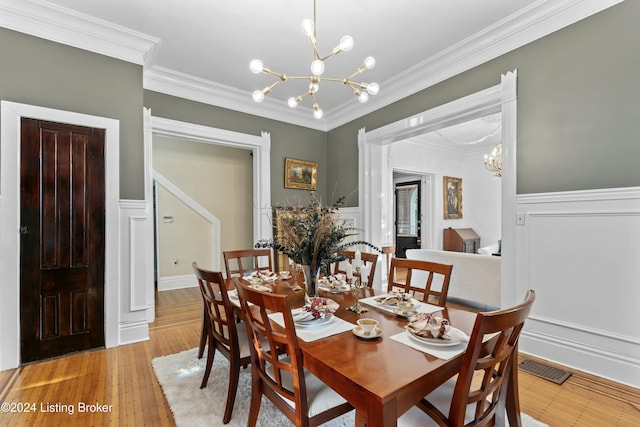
[(432, 341), (359, 332), (315, 323)]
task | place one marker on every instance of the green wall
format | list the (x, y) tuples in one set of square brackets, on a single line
[(46, 74), (286, 140), (578, 104)]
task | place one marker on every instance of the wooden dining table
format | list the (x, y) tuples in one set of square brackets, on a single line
[(381, 377)]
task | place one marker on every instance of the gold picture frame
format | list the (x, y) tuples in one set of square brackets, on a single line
[(300, 174), (452, 191)]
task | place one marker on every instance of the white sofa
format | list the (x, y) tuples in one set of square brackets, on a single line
[(475, 279)]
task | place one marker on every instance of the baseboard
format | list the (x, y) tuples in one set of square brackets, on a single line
[(177, 282), (132, 332)]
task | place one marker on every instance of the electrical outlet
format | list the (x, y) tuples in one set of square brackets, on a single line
[(520, 219)]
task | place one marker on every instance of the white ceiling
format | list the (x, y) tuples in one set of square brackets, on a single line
[(201, 49)]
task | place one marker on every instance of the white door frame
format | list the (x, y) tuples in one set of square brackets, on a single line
[(376, 174), (10, 115)]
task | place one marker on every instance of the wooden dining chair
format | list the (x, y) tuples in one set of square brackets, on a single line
[(242, 262), (368, 259), (223, 332), (478, 394), (277, 365), (417, 277)]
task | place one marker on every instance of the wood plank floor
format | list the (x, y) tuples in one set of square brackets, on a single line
[(122, 383)]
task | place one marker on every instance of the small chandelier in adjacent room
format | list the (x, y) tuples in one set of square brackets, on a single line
[(361, 90), (493, 161)]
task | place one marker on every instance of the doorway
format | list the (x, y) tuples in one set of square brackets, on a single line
[(408, 217), (10, 116), (375, 150)]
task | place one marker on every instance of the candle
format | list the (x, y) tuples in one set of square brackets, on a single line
[(364, 274), (358, 261), (349, 270)]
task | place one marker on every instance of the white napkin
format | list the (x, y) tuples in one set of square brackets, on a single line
[(261, 288), (302, 315)]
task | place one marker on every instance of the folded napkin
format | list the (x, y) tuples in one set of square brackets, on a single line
[(302, 315), (428, 325)]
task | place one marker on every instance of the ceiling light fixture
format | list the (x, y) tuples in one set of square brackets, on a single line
[(361, 90), (493, 161)]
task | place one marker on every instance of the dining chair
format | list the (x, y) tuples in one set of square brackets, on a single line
[(223, 332), (388, 252), (241, 262), (368, 259), (477, 395), (417, 276), (277, 370)]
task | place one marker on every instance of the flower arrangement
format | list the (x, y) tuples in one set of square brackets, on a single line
[(313, 235)]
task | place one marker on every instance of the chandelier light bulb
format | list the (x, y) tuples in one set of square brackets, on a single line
[(256, 66), (307, 27), (369, 62), (346, 43), (317, 67), (258, 95), (373, 88), (314, 88), (292, 102), (317, 112), (363, 97)]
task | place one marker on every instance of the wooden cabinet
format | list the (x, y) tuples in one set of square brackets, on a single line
[(461, 240)]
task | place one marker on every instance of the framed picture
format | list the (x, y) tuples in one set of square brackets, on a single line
[(300, 174), (452, 197)]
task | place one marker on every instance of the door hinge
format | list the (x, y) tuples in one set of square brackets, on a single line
[(24, 230)]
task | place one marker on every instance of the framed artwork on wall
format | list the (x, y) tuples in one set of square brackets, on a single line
[(300, 174), (452, 197)]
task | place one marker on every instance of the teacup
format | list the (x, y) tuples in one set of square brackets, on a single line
[(285, 274), (367, 325)]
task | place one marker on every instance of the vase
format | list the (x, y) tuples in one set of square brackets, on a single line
[(310, 280)]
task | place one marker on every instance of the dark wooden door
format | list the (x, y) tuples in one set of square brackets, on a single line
[(62, 214), (408, 217)]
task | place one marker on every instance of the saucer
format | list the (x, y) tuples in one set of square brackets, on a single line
[(357, 331), (406, 313)]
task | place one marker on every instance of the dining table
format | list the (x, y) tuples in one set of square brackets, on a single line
[(382, 376)]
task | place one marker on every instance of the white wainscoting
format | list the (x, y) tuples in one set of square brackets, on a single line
[(580, 252), (136, 272)]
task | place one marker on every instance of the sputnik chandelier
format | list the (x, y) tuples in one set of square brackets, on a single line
[(361, 90)]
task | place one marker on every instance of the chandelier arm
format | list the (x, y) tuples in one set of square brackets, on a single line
[(312, 40), (266, 70), (358, 71)]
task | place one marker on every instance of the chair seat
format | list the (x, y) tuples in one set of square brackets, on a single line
[(320, 396), (441, 399)]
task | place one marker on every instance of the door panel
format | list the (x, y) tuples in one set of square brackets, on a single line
[(408, 217), (62, 193)]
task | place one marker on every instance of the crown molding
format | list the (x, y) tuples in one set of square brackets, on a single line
[(48, 21), (185, 86), (62, 25)]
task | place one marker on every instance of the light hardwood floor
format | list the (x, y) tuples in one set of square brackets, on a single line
[(122, 379)]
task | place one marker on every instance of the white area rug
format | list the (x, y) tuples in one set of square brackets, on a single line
[(180, 376)]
